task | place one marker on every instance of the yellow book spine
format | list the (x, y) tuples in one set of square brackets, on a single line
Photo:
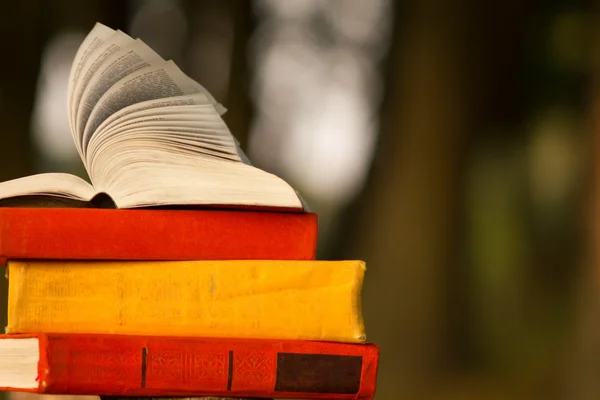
[(304, 300)]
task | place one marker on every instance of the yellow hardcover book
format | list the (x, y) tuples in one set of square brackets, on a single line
[(303, 300)]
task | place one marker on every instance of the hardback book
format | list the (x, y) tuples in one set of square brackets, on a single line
[(159, 366), (149, 135), (295, 300), (107, 234)]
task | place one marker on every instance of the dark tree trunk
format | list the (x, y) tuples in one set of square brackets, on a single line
[(408, 224)]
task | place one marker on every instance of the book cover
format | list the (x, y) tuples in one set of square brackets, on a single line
[(303, 300), (183, 366), (108, 234)]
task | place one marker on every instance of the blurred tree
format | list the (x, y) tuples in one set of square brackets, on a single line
[(213, 22), (583, 365), (406, 225), (238, 100), (21, 28), (450, 75)]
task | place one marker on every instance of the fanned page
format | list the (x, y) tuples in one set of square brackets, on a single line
[(149, 135), (158, 156), (117, 65), (93, 40), (100, 56), (150, 83), (155, 110)]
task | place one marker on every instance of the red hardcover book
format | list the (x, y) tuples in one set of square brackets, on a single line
[(116, 365), (162, 235)]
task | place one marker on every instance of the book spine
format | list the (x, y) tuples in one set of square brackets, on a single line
[(144, 366), (310, 300), (97, 234)]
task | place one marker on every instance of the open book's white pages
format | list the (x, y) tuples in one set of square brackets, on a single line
[(116, 66), (150, 83), (113, 44), (150, 135), (93, 40), (49, 184)]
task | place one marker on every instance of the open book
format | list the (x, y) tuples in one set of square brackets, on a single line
[(149, 135)]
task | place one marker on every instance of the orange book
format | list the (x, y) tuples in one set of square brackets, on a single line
[(276, 299), (155, 235)]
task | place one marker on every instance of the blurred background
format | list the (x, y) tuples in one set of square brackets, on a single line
[(452, 145)]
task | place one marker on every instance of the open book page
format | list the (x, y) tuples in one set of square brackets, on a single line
[(192, 111), (165, 137), (161, 176), (161, 81), (205, 116), (49, 184), (97, 58), (95, 38), (182, 126), (117, 66), (162, 110), (189, 128), (150, 106)]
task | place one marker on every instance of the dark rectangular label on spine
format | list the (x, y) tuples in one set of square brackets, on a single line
[(230, 370), (318, 373), (144, 365)]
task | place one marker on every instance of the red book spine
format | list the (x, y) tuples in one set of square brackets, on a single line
[(114, 365), (161, 235)]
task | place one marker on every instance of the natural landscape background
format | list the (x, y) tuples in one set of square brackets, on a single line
[(452, 145)]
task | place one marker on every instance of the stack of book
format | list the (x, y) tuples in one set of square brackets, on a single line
[(181, 270)]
